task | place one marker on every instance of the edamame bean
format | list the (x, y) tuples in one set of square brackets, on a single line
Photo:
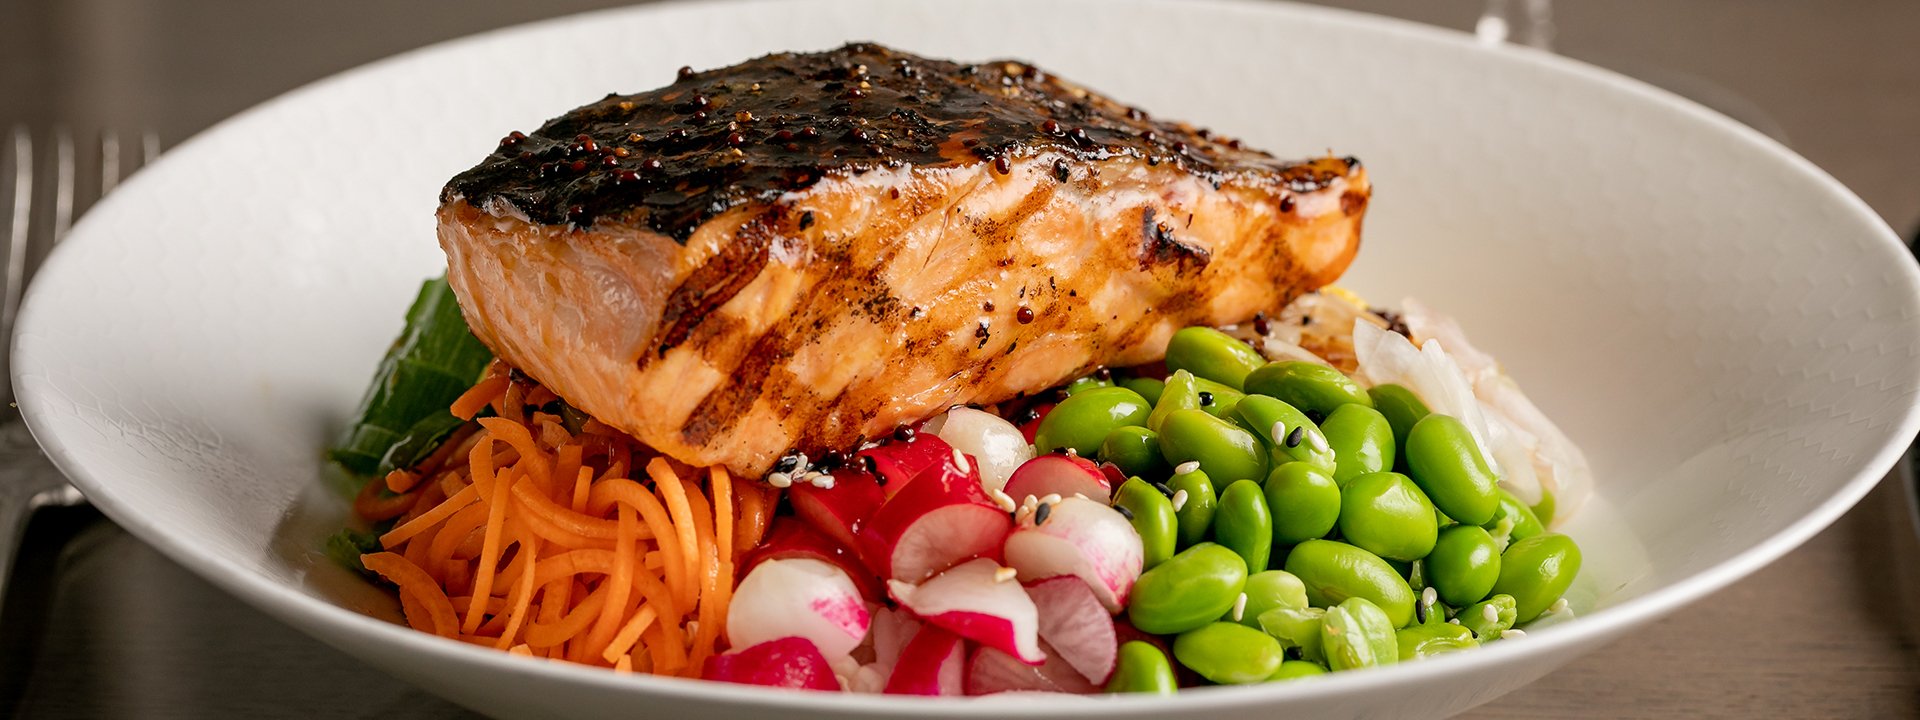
[(1544, 509), (1295, 669), (1525, 523), (1537, 571), (1243, 524), (1271, 590), (1313, 388), (1177, 394), (1229, 653), (1400, 407), (1136, 450), (1358, 634), (1385, 514), (1086, 383), (1189, 591), (1464, 564), (1213, 355), (1142, 668), (1148, 388), (1223, 449), (1420, 641), (1336, 571), (1196, 506), (1490, 617), (1082, 422), (1217, 399), (1153, 519), (1361, 439), (1304, 500), (1286, 432), (1446, 463), (1296, 628)]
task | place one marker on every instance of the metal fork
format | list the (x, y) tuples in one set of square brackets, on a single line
[(42, 198)]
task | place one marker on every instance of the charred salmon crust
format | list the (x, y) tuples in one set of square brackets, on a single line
[(804, 251)]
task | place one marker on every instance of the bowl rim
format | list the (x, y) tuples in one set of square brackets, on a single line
[(327, 621)]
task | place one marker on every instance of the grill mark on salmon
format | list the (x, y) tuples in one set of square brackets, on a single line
[(727, 294)]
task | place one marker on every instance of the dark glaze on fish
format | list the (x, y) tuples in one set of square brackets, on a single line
[(673, 158)]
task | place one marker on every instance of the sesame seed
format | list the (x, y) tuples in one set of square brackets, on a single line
[(779, 480), (1559, 606), (823, 481), (1319, 443), (1179, 500), (1073, 452), (1082, 496), (1239, 607), (1001, 498), (1279, 432), (1489, 613), (960, 460), (1294, 438), (1049, 498), (1164, 490), (1455, 621), (1004, 574), (1515, 633), (1124, 512), (1186, 467), (1040, 514), (1428, 597)]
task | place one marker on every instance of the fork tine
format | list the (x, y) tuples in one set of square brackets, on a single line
[(109, 161), (62, 184), (16, 259)]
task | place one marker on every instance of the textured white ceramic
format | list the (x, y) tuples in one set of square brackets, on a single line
[(1730, 334)]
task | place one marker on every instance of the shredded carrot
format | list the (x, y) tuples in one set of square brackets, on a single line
[(429, 518), (400, 481), (485, 393), (522, 592), (414, 581), (667, 484), (521, 649), (370, 505), (629, 634)]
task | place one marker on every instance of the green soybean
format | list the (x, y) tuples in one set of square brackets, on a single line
[(1361, 439), (1295, 669), (1335, 571), (1400, 407), (1286, 432), (1213, 355), (1296, 628), (1271, 590), (1447, 464), (1135, 450), (1153, 519), (1420, 641), (1142, 668), (1178, 394), (1081, 422), (1544, 509), (1358, 634), (1304, 500), (1536, 572), (1196, 507), (1244, 525), (1086, 383), (1149, 388), (1223, 449), (1217, 399), (1385, 514), (1189, 591), (1464, 565), (1229, 653), (1313, 388), (1525, 523), (1490, 617)]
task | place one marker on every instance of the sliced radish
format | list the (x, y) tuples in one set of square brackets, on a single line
[(990, 671), (891, 630), (1031, 428), (940, 519), (838, 511), (980, 603), (931, 664), (1063, 475), (788, 662), (800, 597), (1115, 476), (789, 538), (898, 462), (994, 443), (1076, 626), (1082, 538)]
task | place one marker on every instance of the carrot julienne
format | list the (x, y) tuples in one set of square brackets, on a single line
[(527, 534)]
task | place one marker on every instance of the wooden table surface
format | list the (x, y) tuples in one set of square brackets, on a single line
[(1828, 631)]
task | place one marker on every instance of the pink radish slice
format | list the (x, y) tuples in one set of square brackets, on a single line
[(940, 519), (1115, 476), (1076, 626), (789, 662), (929, 665), (789, 538), (975, 602), (994, 443), (839, 511), (1061, 475), (891, 631), (898, 462), (990, 671), (803, 597), (1082, 538)]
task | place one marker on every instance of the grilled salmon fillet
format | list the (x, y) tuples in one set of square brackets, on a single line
[(804, 251)]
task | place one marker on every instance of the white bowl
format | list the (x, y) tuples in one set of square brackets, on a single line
[(1730, 334)]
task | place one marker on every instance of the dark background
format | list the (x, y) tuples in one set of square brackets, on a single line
[(100, 626)]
